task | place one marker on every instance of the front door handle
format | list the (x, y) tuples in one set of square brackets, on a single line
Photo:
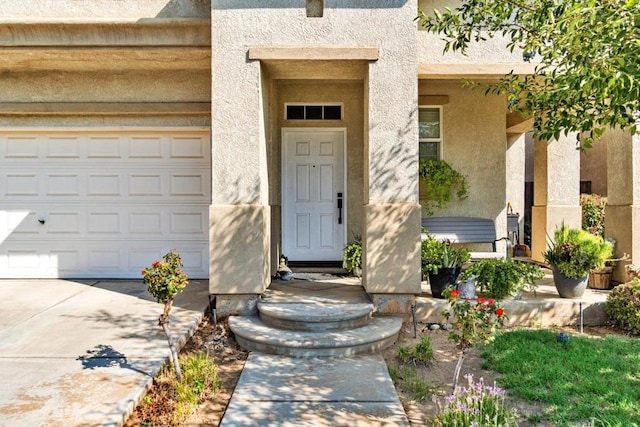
[(339, 208)]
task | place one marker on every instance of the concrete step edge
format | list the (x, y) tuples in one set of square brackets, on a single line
[(315, 317), (252, 328)]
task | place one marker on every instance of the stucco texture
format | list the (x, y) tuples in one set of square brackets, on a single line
[(246, 119), (38, 10), (474, 142)]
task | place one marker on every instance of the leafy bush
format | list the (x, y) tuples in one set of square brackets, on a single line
[(593, 207), (165, 279), (437, 254), (574, 252), (475, 405), (501, 278), (623, 306), (352, 257), (419, 353)]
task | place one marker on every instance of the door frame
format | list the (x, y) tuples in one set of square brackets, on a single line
[(345, 196)]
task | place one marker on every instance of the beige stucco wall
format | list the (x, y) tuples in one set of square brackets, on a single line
[(622, 215), (124, 86), (38, 10), (84, 91), (593, 166), (390, 103), (474, 143), (431, 46)]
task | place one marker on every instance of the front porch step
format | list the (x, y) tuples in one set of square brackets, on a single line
[(318, 316), (253, 334)]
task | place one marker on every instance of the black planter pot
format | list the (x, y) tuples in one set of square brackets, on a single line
[(568, 287), (445, 277)]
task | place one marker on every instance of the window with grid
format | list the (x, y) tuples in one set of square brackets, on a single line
[(430, 131)]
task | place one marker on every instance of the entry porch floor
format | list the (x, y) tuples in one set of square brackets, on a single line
[(542, 308)]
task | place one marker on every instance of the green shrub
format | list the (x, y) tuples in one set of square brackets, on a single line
[(501, 278), (352, 257), (623, 307), (419, 353), (593, 207)]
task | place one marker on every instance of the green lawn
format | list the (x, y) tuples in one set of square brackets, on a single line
[(586, 381)]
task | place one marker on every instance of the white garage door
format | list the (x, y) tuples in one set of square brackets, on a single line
[(91, 204)]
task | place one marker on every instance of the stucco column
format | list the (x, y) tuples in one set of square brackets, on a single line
[(391, 226), (622, 217), (239, 215), (556, 197), (515, 176)]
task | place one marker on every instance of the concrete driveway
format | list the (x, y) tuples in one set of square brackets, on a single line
[(82, 353)]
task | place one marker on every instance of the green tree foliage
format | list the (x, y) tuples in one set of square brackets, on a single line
[(588, 77)]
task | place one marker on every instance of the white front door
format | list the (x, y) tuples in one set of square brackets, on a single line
[(313, 194)]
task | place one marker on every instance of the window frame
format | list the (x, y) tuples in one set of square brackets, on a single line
[(440, 138), (315, 104)]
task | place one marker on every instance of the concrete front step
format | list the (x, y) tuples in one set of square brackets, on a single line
[(253, 334), (315, 316)]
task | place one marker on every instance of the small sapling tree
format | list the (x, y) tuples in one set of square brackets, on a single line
[(165, 279)]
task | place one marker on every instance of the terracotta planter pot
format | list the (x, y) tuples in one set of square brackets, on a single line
[(568, 287), (445, 277)]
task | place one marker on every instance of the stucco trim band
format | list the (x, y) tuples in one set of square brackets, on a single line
[(473, 71), (270, 53), (103, 108)]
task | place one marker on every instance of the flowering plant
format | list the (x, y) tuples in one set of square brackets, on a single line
[(165, 279), (473, 322), (474, 405)]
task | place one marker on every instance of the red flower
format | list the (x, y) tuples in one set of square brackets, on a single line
[(499, 312), (454, 294), (144, 272), (490, 302), (480, 300), (156, 264)]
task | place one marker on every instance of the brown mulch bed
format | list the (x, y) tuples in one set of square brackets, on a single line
[(156, 408)]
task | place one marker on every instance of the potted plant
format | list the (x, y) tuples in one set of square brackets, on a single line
[(593, 214), (442, 263), (572, 254), (440, 182), (501, 278)]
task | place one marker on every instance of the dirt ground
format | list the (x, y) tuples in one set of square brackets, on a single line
[(439, 374), (230, 359)]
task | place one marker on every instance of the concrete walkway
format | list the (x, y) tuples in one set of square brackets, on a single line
[(315, 315), (314, 392), (82, 353)]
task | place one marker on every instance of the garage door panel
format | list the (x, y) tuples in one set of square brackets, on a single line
[(113, 259), (63, 147), (103, 204), (59, 183), (77, 222)]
